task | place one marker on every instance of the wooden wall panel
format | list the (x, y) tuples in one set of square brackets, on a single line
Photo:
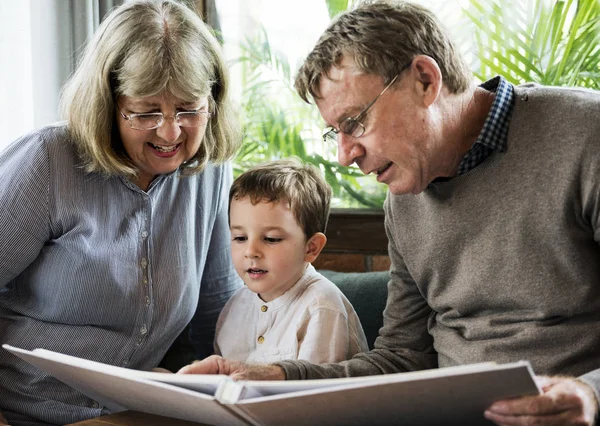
[(356, 242)]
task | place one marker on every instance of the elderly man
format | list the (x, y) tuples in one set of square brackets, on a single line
[(493, 213)]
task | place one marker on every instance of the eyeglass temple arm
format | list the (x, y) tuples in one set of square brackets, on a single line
[(362, 114)]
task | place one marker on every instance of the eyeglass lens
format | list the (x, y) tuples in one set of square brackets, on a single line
[(183, 119), (349, 126), (352, 127)]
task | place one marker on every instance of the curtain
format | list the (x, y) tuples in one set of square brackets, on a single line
[(85, 16), (40, 42), (211, 17)]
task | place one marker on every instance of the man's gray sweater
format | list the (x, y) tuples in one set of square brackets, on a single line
[(501, 263)]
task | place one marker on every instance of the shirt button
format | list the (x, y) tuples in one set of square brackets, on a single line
[(95, 405), (261, 340), (124, 363), (144, 234), (144, 263), (143, 330), (264, 308), (147, 301)]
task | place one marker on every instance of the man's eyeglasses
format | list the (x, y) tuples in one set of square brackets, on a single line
[(154, 120), (352, 125)]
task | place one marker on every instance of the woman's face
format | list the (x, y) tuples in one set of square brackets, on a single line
[(164, 149)]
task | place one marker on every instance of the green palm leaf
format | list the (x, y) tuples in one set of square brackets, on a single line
[(549, 42), (334, 7), (277, 124), (552, 42)]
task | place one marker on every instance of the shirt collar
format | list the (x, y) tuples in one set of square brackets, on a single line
[(494, 133)]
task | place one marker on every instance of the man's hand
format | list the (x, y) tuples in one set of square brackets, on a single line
[(236, 370), (564, 401)]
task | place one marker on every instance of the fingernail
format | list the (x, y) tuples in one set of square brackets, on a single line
[(496, 406)]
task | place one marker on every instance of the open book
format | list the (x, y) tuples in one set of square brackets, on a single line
[(454, 395)]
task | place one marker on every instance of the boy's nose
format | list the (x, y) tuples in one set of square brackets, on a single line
[(251, 252)]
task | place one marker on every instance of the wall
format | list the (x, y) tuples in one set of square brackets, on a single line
[(356, 242)]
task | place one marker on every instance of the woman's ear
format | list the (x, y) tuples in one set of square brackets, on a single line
[(428, 81), (314, 246)]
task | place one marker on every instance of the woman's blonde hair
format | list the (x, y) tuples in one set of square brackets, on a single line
[(146, 48), (382, 37), (301, 185)]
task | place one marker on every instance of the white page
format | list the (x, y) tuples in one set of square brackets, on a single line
[(209, 384), (119, 388), (231, 391), (457, 397), (266, 388), (205, 383)]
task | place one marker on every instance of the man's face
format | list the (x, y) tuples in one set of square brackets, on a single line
[(396, 143)]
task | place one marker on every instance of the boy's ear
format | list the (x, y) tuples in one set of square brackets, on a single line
[(314, 246)]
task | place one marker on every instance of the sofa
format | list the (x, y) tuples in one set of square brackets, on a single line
[(367, 291)]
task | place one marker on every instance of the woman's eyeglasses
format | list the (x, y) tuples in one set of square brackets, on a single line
[(154, 120)]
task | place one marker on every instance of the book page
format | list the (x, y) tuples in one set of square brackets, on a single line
[(266, 388), (455, 395), (119, 389), (433, 397), (204, 383)]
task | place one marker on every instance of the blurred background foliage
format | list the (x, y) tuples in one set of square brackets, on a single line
[(548, 42), (555, 43)]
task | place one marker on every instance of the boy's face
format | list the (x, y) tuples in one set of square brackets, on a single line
[(269, 249)]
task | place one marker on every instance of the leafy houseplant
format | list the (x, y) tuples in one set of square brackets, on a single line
[(278, 124), (554, 43), (549, 42)]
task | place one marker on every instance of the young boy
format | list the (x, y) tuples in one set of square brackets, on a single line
[(277, 216)]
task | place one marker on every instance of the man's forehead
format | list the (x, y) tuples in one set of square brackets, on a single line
[(345, 69), (347, 81), (342, 95)]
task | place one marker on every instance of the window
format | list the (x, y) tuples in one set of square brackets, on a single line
[(39, 43), (266, 41), (16, 91), (522, 40)]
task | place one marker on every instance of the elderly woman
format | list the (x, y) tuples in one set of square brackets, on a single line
[(113, 232)]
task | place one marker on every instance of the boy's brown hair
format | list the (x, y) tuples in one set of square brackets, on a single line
[(300, 185)]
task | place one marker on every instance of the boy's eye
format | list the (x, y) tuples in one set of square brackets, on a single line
[(239, 239), (273, 240)]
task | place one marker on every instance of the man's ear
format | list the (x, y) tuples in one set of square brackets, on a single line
[(314, 246), (428, 81)]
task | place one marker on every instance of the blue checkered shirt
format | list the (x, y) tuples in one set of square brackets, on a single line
[(493, 136)]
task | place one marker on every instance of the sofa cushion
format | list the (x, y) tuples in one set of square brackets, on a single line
[(367, 291)]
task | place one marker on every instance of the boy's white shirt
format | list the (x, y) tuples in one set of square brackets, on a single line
[(312, 321)]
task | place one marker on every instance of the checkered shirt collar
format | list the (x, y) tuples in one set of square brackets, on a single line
[(494, 134)]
